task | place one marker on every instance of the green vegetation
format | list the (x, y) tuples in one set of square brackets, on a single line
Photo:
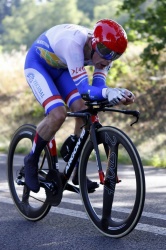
[(141, 69), (147, 22)]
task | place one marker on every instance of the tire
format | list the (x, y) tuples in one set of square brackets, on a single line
[(115, 207), (31, 206)]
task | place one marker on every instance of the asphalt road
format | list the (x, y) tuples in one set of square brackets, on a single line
[(67, 226)]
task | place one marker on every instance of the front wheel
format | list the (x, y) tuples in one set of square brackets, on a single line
[(32, 206), (116, 206)]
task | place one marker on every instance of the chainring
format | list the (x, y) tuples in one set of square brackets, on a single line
[(54, 197)]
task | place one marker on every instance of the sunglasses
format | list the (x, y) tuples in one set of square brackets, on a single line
[(106, 53)]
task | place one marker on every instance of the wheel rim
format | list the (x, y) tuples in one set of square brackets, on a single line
[(128, 202), (32, 206)]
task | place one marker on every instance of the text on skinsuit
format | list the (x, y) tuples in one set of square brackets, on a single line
[(43, 43), (31, 80)]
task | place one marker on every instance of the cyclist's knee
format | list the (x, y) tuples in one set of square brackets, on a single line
[(57, 115), (77, 105)]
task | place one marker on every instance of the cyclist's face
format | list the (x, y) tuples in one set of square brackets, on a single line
[(99, 62)]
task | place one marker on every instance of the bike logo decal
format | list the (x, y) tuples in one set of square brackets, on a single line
[(110, 187), (112, 140), (74, 151)]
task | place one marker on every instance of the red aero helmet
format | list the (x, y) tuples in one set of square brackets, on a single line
[(111, 35)]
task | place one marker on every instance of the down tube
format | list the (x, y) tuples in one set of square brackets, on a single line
[(110, 179)]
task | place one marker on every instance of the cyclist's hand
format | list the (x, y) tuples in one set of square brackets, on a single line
[(115, 96), (128, 96)]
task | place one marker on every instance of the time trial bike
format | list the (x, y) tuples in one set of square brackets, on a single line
[(116, 205)]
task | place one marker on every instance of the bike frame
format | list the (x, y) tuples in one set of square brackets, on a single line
[(91, 123), (90, 127)]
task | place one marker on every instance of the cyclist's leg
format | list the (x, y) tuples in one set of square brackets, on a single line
[(48, 96), (72, 98)]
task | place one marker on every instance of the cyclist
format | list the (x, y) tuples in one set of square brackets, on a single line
[(55, 71)]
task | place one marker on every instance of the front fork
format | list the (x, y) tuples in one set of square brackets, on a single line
[(110, 179), (94, 127), (102, 178)]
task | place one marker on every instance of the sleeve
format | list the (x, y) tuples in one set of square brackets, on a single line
[(74, 57), (99, 76)]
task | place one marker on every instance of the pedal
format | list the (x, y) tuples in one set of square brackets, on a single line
[(93, 189), (72, 188), (19, 179), (54, 188)]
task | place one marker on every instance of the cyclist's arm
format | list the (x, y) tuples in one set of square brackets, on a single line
[(99, 78), (75, 60)]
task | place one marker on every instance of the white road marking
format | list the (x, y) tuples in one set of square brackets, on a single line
[(82, 215)]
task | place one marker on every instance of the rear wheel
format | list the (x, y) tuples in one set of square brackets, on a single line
[(115, 207), (32, 206)]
